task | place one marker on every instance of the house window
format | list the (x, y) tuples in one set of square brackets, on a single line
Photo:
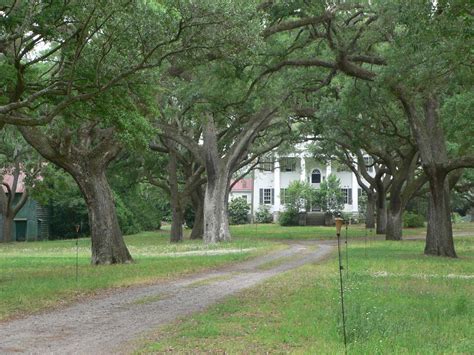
[(347, 193), (244, 197), (283, 193), (369, 164), (267, 196), (316, 176), (266, 166), (288, 164)]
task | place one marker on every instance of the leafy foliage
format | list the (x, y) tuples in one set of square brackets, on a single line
[(263, 215), (413, 220), (139, 208), (289, 218), (329, 196), (239, 211), (299, 196)]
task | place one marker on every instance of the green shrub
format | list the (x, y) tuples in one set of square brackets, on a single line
[(263, 215), (238, 211), (289, 218), (456, 218), (413, 220)]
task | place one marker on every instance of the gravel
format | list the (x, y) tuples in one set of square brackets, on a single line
[(109, 324)]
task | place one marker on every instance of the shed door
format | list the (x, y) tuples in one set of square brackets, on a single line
[(20, 227)]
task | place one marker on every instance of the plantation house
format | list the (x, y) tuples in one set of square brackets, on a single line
[(270, 182)]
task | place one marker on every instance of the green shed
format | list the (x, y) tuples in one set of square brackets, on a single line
[(31, 222)]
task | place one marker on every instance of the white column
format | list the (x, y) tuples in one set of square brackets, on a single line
[(276, 186), (355, 193), (328, 169), (303, 169)]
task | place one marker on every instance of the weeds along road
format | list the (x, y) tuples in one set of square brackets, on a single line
[(109, 324)]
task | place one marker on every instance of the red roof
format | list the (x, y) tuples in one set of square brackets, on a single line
[(8, 179), (243, 185)]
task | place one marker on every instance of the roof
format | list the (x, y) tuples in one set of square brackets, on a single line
[(243, 185), (8, 179)]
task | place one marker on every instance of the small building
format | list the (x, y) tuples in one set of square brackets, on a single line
[(243, 189), (31, 222)]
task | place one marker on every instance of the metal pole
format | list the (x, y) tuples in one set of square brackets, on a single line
[(341, 291), (78, 228), (77, 257), (365, 246), (347, 254)]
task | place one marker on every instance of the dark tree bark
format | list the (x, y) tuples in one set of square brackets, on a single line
[(370, 213), (394, 220), (175, 198), (197, 199), (7, 228), (439, 236), (381, 223), (404, 185), (87, 160), (108, 246)]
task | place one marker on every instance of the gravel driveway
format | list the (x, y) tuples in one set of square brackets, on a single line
[(109, 324)]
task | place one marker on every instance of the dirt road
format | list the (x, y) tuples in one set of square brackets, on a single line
[(108, 324)]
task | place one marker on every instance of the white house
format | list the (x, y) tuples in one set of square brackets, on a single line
[(272, 179)]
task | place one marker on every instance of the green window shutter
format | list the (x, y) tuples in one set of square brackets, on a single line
[(349, 191), (273, 196), (261, 196)]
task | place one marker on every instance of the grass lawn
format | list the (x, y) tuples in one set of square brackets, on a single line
[(37, 275), (276, 232), (397, 301)]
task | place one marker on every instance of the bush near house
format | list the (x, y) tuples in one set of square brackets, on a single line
[(238, 211), (263, 215), (299, 196), (289, 218)]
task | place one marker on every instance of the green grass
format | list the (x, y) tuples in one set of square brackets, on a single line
[(37, 275), (398, 301), (277, 232)]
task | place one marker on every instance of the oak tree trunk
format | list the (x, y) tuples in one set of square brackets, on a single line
[(198, 204), (216, 226), (394, 223), (7, 228), (370, 212), (108, 246), (176, 235), (381, 214), (431, 141), (439, 237)]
